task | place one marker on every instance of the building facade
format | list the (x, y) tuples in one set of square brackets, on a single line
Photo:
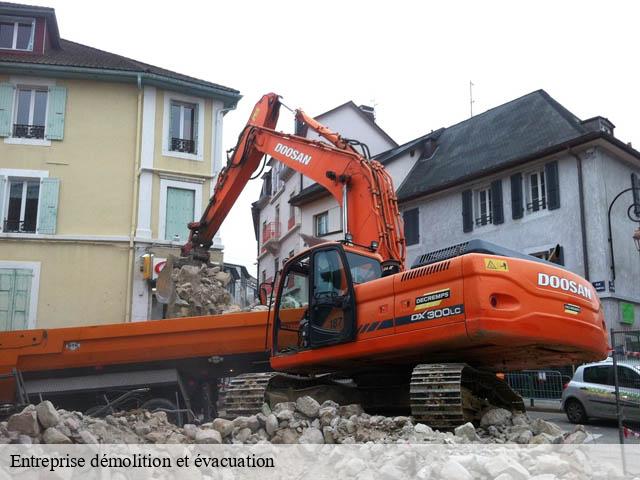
[(292, 209), (531, 176), (103, 160)]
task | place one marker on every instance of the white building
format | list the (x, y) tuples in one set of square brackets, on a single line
[(531, 176), (291, 205)]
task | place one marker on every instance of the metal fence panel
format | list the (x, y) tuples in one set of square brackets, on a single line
[(626, 360), (537, 384)]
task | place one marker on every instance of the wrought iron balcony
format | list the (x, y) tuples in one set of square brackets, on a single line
[(17, 226), (183, 145), (28, 131)]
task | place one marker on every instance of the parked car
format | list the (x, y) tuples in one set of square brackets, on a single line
[(591, 392)]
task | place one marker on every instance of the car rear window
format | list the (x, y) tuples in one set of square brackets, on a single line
[(598, 375)]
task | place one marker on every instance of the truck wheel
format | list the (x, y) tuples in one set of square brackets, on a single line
[(575, 411), (161, 403)]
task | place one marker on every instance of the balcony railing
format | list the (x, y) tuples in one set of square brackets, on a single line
[(183, 145), (17, 226), (28, 131), (271, 231)]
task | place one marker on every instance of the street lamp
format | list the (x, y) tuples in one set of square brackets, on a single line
[(633, 212)]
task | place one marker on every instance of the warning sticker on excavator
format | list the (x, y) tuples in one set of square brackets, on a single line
[(496, 265)]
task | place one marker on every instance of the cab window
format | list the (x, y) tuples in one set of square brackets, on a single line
[(363, 269), (329, 276)]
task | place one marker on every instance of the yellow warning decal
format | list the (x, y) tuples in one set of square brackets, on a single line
[(496, 265)]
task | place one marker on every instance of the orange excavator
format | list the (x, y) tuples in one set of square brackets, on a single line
[(346, 319)]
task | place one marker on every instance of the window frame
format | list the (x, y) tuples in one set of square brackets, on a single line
[(34, 83), (25, 176), (316, 230), (165, 184), (25, 181), (17, 21), (480, 219), (183, 105), (541, 185), (32, 100), (170, 97)]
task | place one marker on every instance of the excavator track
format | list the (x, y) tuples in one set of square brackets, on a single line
[(246, 394), (447, 395)]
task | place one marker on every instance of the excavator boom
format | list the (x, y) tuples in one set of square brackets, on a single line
[(358, 184)]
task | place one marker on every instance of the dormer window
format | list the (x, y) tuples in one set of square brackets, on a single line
[(16, 33)]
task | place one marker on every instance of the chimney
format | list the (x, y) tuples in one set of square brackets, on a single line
[(599, 124), (369, 112)]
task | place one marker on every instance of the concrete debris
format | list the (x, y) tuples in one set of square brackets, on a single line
[(201, 290), (304, 421)]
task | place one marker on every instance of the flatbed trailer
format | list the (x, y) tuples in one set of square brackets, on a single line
[(174, 364)]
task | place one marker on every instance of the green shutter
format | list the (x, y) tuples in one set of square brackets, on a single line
[(55, 120), (48, 205), (15, 296), (3, 183), (180, 212), (6, 108)]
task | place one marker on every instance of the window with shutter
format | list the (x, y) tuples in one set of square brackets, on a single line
[(28, 205), (483, 206), (411, 220)]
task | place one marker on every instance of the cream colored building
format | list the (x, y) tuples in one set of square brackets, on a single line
[(103, 159)]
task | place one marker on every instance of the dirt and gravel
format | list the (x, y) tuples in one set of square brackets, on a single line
[(305, 421)]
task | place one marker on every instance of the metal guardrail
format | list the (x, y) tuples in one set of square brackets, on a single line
[(537, 384)]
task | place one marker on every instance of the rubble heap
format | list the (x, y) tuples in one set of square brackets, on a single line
[(199, 291), (303, 421)]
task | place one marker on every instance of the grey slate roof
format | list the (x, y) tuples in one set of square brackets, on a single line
[(498, 138)]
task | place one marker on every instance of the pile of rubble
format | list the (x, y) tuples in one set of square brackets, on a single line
[(201, 290), (303, 421)]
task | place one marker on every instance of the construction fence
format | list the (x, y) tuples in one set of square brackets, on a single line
[(626, 360), (538, 385)]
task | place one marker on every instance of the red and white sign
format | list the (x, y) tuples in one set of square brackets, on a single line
[(158, 265)]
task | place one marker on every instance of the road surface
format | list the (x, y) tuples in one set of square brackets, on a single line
[(603, 431)]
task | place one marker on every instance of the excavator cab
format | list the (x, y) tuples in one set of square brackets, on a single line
[(315, 306)]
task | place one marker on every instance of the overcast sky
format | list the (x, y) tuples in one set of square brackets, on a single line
[(412, 60)]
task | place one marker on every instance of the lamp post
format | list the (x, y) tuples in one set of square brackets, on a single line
[(633, 212)]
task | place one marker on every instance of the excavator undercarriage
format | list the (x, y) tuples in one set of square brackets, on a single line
[(442, 396)]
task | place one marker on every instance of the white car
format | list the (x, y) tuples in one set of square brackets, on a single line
[(591, 392)]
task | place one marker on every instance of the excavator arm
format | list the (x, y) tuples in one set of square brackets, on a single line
[(360, 185)]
